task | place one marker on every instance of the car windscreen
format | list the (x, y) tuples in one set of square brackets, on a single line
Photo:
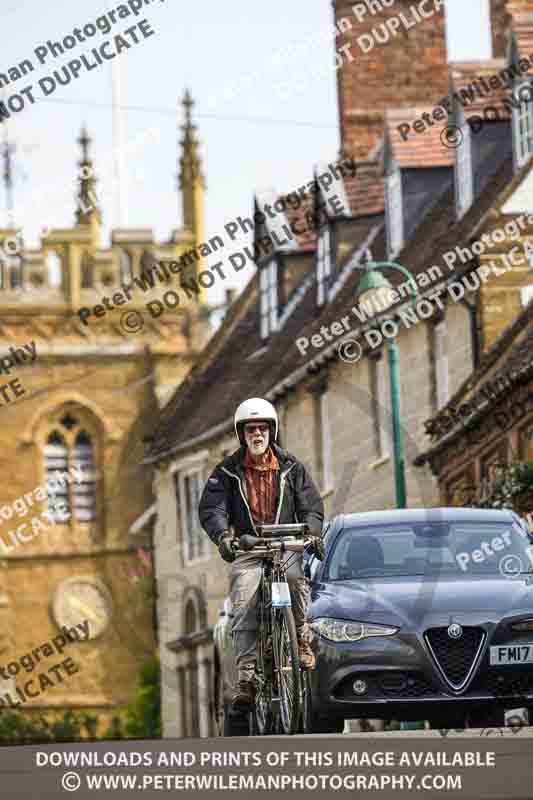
[(440, 548)]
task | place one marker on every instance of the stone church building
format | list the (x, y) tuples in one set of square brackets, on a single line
[(86, 401)]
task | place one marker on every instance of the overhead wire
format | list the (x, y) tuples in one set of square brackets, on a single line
[(175, 111)]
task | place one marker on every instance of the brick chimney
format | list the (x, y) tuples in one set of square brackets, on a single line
[(398, 60), (521, 14), (500, 22)]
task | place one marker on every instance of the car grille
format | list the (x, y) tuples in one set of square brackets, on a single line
[(455, 657), (502, 683), (386, 684)]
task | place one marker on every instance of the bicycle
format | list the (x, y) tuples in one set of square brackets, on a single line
[(279, 695)]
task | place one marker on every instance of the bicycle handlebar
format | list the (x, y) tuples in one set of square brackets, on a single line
[(283, 529), (260, 546)]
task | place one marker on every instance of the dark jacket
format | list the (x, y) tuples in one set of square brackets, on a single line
[(223, 502)]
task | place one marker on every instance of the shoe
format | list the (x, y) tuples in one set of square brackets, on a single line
[(306, 656), (245, 694)]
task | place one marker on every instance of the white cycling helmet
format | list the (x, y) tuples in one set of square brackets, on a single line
[(256, 408)]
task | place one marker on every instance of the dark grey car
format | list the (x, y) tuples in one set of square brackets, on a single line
[(421, 615)]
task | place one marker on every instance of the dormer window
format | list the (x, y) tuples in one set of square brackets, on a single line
[(323, 264), (464, 183), (523, 123), (268, 288), (394, 211)]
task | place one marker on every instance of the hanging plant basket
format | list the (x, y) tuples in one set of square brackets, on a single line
[(523, 502), (511, 487)]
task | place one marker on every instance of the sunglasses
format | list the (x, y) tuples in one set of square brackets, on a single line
[(250, 427)]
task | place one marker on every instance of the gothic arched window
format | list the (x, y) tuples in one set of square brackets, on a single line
[(57, 474), (192, 623), (70, 470), (195, 610), (85, 490)]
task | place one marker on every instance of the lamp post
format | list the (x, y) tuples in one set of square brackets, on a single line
[(374, 285)]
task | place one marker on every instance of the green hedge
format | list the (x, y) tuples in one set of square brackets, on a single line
[(142, 720)]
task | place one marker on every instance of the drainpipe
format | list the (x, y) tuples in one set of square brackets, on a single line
[(474, 331)]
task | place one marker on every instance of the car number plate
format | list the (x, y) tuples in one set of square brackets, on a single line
[(281, 595), (513, 654)]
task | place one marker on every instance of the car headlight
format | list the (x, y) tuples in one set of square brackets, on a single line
[(525, 626), (337, 630)]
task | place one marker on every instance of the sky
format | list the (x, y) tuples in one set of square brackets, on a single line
[(235, 58)]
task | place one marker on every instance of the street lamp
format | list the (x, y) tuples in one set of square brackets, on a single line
[(374, 286)]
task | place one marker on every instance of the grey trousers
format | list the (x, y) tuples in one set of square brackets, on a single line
[(245, 577)]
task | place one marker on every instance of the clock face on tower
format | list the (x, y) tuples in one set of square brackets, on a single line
[(80, 599)]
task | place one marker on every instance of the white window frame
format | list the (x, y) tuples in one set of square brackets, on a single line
[(464, 176), (194, 540), (323, 264), (269, 307), (394, 213), (523, 127), (441, 365)]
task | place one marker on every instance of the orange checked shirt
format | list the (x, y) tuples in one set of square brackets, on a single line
[(261, 480)]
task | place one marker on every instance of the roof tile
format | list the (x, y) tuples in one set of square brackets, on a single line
[(470, 80), (425, 149)]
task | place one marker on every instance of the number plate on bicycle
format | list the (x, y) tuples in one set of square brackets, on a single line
[(281, 595)]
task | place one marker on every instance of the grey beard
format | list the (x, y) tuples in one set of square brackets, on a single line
[(258, 451)]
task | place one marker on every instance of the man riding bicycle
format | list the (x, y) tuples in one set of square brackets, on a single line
[(260, 483)]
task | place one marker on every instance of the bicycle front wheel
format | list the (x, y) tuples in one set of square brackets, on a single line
[(287, 669), (263, 713)]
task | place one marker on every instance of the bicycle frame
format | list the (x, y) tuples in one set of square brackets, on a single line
[(271, 624)]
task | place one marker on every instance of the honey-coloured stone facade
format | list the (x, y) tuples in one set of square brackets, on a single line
[(95, 388)]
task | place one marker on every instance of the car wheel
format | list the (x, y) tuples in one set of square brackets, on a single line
[(309, 722), (305, 709)]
